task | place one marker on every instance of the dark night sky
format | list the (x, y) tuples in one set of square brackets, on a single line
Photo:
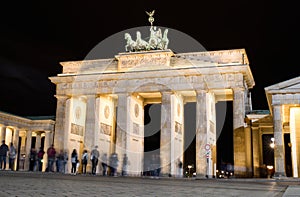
[(36, 36)]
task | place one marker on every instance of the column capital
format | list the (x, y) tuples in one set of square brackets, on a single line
[(62, 97), (166, 92), (15, 127), (99, 95), (202, 91), (90, 95), (124, 94), (38, 132), (47, 131), (237, 89)]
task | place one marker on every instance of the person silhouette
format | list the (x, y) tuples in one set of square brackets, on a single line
[(3, 153), (94, 157)]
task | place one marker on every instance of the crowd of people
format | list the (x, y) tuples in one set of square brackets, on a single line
[(57, 161)]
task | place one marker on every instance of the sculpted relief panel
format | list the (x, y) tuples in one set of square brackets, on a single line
[(148, 60)]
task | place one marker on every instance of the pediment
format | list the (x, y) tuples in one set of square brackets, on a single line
[(292, 85), (296, 86)]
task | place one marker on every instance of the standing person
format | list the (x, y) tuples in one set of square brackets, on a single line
[(153, 165), (157, 165), (51, 152), (113, 163), (179, 168), (32, 159), (60, 161), (125, 165), (66, 158), (94, 157), (74, 161), (84, 161), (3, 154), (57, 162), (12, 156), (104, 164), (40, 157)]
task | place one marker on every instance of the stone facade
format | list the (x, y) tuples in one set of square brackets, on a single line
[(284, 103), (20, 131), (101, 102), (111, 93)]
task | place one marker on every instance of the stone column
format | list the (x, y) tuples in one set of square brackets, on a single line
[(97, 125), (279, 158), (3, 133), (47, 144), (89, 135), (113, 129), (23, 145), (201, 133), (239, 136), (238, 108), (295, 139), (60, 122), (28, 148), (16, 145), (256, 152), (260, 133), (38, 141), (123, 131), (22, 153), (165, 134), (248, 151), (67, 126)]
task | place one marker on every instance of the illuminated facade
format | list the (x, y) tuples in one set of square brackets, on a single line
[(284, 104), (101, 102), (21, 132)]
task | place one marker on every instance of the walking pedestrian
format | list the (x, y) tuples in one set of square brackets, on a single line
[(104, 164), (113, 164), (94, 158), (125, 165), (12, 156)]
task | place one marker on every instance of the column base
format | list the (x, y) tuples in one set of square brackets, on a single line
[(279, 175), (202, 176), (166, 175)]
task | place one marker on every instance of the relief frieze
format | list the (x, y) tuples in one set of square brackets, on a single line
[(126, 61)]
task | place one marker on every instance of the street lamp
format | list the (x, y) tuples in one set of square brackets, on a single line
[(189, 167), (272, 145)]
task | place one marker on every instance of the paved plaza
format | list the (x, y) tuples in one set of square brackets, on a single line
[(53, 184)]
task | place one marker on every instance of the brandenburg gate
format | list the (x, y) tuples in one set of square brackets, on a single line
[(101, 102)]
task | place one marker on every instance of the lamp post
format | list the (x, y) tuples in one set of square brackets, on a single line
[(189, 167), (272, 145)]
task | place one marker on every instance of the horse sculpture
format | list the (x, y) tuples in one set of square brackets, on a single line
[(140, 43), (164, 41), (130, 44), (156, 41)]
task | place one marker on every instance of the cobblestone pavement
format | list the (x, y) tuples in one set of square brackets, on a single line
[(51, 184)]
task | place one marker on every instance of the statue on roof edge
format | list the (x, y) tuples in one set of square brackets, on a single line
[(157, 40)]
